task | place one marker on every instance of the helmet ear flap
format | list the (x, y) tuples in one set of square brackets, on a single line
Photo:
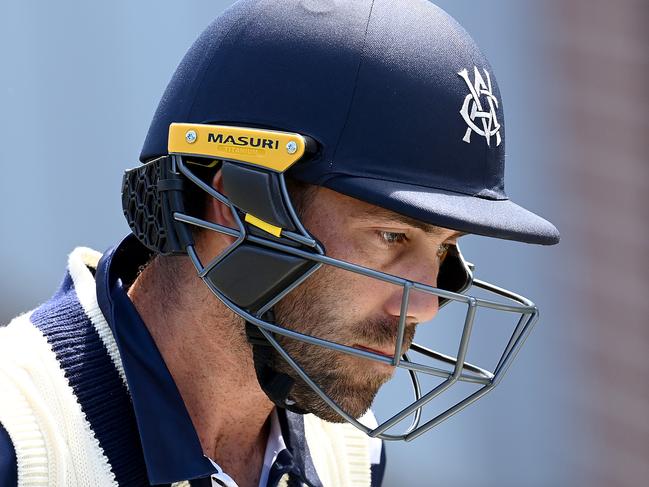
[(251, 275), (256, 192), (455, 274), (151, 193)]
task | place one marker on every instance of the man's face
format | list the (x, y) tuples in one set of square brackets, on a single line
[(354, 310)]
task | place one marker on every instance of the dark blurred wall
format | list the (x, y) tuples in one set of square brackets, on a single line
[(601, 53)]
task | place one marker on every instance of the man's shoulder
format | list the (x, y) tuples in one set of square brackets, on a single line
[(62, 389)]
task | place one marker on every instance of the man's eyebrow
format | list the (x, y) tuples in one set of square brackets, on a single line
[(390, 216)]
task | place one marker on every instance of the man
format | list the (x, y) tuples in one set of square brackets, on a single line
[(306, 179)]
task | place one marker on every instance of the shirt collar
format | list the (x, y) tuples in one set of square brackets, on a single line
[(274, 447), (172, 450)]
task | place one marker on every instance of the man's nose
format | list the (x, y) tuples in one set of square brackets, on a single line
[(422, 306)]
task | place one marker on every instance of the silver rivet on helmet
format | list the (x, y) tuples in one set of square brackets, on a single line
[(190, 136), (291, 147)]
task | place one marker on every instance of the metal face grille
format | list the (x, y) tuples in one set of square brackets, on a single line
[(420, 362)]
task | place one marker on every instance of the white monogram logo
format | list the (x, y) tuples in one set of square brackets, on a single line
[(473, 111)]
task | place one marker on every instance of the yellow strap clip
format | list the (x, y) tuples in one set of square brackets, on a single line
[(266, 227)]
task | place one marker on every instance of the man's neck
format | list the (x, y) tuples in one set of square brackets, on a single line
[(205, 350)]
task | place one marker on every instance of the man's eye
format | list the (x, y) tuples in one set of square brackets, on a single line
[(392, 238)]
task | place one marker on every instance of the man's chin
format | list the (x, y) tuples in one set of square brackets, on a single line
[(328, 414), (323, 411), (353, 401)]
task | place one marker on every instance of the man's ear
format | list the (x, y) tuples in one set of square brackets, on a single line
[(216, 211)]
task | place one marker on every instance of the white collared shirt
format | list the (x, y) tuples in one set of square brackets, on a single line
[(274, 446)]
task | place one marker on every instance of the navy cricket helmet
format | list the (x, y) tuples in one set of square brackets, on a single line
[(387, 101), (404, 106)]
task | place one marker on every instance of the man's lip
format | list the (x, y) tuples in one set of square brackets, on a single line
[(386, 352)]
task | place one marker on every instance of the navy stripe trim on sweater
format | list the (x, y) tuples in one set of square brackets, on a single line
[(378, 469), (8, 461), (95, 381)]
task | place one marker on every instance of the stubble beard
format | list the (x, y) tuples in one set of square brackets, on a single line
[(316, 308)]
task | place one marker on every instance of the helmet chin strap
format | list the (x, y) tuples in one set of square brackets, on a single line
[(277, 385)]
